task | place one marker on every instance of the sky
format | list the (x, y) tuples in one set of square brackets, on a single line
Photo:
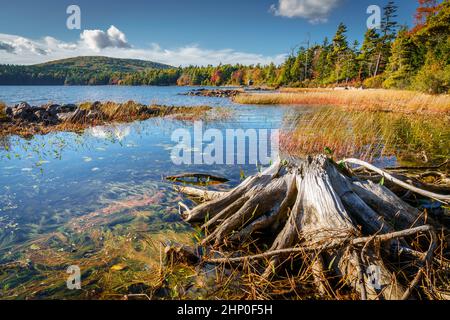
[(179, 32)]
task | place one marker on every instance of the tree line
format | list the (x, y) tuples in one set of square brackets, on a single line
[(392, 56)]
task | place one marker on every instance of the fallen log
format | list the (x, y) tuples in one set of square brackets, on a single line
[(387, 176), (311, 207)]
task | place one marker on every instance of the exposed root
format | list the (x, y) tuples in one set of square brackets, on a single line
[(313, 213), (387, 176)]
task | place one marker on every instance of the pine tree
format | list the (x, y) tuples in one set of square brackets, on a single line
[(403, 62), (368, 56), (388, 31), (339, 52)]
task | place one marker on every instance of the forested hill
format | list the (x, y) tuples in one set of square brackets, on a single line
[(91, 70), (102, 64)]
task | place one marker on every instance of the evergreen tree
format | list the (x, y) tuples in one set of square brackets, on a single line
[(388, 31), (368, 56), (339, 53)]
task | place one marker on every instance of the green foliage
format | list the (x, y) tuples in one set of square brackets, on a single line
[(433, 79), (374, 82)]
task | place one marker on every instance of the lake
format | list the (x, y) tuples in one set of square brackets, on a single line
[(67, 198), (99, 200)]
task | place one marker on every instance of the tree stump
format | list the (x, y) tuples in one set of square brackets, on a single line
[(317, 207)]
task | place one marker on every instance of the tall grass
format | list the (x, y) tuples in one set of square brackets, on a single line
[(361, 100), (369, 135), (2, 111)]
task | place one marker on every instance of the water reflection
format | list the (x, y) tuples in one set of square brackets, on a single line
[(114, 132)]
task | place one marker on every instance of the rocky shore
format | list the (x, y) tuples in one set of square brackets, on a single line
[(214, 93), (50, 114), (24, 119)]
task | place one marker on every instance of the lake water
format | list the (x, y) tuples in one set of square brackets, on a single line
[(99, 200), (92, 199)]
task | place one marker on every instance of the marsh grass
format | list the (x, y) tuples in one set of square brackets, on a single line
[(3, 116), (369, 135), (356, 100)]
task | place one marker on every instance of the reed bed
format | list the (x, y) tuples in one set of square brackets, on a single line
[(361, 100), (368, 135)]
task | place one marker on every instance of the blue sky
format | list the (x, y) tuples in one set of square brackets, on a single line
[(180, 32)]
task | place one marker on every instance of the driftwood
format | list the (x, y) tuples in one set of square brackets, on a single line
[(432, 195), (313, 208)]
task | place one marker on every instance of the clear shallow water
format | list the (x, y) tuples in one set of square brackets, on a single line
[(64, 192)]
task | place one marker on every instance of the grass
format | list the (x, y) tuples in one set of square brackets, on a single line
[(361, 100), (369, 135), (2, 112)]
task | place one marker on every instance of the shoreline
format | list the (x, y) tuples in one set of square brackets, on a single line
[(26, 121)]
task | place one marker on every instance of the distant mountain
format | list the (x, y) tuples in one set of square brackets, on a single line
[(89, 71), (101, 64)]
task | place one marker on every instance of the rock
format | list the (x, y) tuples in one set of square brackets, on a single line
[(53, 109), (46, 117), (77, 116), (179, 253), (41, 114), (9, 112), (94, 114), (217, 93), (68, 108), (24, 112), (62, 117)]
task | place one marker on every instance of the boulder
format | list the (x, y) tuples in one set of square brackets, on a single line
[(53, 109), (62, 117), (9, 112), (24, 112), (67, 108)]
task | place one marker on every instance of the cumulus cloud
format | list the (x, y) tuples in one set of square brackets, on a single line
[(6, 47), (315, 11), (112, 43), (14, 44), (99, 39)]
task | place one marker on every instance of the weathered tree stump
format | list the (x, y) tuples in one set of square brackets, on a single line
[(316, 207)]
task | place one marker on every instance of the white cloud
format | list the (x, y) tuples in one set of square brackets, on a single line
[(99, 39), (7, 47), (315, 11), (113, 43), (18, 45)]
